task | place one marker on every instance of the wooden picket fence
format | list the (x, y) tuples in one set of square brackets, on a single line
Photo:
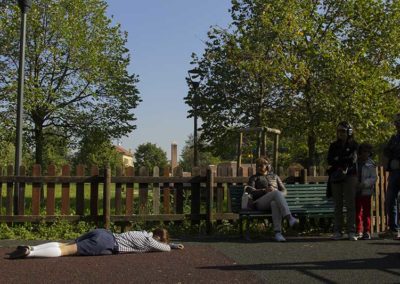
[(126, 197)]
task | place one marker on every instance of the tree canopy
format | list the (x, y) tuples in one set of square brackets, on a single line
[(205, 157), (150, 155), (300, 66), (76, 76)]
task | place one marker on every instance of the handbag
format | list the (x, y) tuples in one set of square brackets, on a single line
[(338, 176), (247, 202)]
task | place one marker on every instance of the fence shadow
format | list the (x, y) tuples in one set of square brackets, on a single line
[(387, 264)]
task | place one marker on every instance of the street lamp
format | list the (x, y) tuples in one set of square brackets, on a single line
[(24, 5), (194, 74)]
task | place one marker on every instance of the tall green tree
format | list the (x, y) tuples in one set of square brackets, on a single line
[(150, 155), (301, 66), (187, 156), (96, 149), (76, 71)]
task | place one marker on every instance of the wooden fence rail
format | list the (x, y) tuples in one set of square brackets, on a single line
[(126, 197)]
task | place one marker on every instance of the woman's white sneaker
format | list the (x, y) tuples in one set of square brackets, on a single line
[(279, 237), (293, 221)]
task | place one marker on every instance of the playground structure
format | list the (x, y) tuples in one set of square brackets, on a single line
[(261, 149)]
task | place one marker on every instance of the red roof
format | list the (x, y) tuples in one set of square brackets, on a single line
[(123, 151)]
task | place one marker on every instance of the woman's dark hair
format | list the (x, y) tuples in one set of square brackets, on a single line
[(262, 161), (346, 126)]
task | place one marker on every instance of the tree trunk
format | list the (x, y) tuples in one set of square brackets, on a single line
[(39, 141), (39, 153), (312, 141)]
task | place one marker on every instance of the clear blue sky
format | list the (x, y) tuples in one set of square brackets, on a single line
[(162, 34)]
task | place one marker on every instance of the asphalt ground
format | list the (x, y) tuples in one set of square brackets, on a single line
[(221, 260)]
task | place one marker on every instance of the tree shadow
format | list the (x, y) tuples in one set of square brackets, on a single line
[(241, 240), (387, 264)]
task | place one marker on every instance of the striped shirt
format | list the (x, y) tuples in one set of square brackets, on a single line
[(139, 241)]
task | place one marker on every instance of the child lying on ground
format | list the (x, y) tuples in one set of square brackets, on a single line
[(102, 242)]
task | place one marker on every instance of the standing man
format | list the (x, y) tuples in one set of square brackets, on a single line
[(392, 153)]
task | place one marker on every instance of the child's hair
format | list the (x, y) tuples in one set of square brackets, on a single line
[(365, 147), (161, 235)]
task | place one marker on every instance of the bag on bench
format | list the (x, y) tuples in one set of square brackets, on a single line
[(247, 202)]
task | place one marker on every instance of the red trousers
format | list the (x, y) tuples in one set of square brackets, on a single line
[(363, 213)]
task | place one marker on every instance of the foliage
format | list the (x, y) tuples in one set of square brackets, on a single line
[(205, 157), (300, 66), (76, 72), (97, 149), (60, 230), (150, 155)]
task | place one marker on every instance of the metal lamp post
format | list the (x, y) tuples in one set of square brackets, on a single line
[(24, 5), (194, 74)]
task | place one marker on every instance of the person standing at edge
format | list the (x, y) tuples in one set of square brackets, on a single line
[(342, 157), (392, 153), (365, 189)]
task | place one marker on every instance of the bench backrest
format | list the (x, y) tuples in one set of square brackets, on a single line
[(235, 193), (310, 198)]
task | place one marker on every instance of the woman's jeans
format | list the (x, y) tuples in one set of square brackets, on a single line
[(392, 199), (276, 202), (344, 193)]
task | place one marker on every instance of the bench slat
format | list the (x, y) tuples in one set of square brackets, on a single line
[(303, 199)]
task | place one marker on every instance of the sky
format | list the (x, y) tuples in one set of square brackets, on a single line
[(162, 35)]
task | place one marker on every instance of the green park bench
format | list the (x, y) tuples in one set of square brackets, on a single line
[(304, 200)]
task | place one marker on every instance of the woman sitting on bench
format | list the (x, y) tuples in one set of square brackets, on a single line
[(268, 193)]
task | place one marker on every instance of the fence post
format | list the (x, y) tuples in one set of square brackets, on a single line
[(313, 171), (94, 193), (143, 191), (166, 192), (36, 188), (195, 197), (178, 192), (239, 151), (304, 178), (66, 172), (129, 172), (50, 200), (21, 196), (210, 199), (118, 193), (156, 192), (9, 198), (107, 198)]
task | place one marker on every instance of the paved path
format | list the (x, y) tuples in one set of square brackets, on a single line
[(315, 260), (212, 260)]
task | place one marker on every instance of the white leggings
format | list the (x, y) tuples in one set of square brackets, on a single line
[(276, 202)]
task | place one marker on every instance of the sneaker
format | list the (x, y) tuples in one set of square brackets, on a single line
[(352, 237), (279, 237), (366, 236), (21, 252), (359, 235), (337, 236), (25, 247), (293, 221)]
